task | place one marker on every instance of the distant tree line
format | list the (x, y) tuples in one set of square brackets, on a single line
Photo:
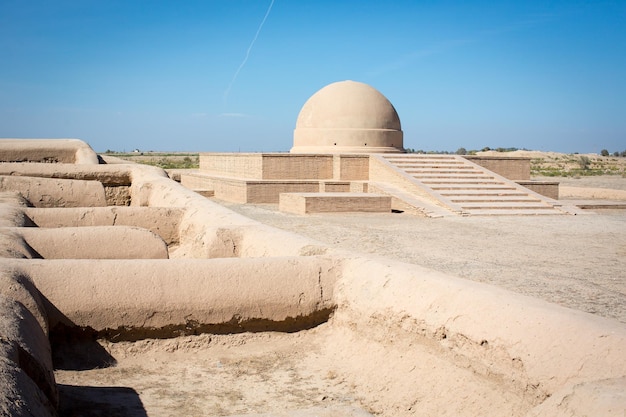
[(463, 151), (605, 152)]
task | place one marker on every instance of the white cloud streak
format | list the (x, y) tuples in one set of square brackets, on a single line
[(243, 63)]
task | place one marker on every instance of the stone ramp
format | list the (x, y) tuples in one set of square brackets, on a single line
[(467, 188)]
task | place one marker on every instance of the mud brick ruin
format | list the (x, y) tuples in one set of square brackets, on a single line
[(95, 246)]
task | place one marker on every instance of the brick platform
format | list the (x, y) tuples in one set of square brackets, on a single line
[(305, 203)]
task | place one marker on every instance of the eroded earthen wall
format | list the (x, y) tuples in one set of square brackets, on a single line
[(52, 192), (140, 295)]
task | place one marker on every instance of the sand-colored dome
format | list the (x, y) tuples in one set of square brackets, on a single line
[(347, 116)]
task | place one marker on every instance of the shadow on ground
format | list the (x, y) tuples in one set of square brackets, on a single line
[(81, 401)]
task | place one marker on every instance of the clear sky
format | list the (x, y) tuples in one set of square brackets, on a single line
[(232, 75)]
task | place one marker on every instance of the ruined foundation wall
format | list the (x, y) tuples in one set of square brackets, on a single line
[(69, 151), (99, 242), (167, 295), (499, 335), (164, 221), (27, 384), (47, 192)]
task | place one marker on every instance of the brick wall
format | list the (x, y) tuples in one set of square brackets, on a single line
[(297, 167), (513, 168), (334, 187), (354, 167), (245, 165), (196, 182), (549, 189), (270, 192)]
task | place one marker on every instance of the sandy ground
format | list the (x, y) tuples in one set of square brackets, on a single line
[(576, 261), (207, 375)]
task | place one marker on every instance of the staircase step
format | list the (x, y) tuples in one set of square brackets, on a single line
[(494, 199), (451, 163), (417, 156), (483, 193), (469, 176), (442, 170), (462, 185), (461, 181), (512, 212), (422, 162), (506, 205)]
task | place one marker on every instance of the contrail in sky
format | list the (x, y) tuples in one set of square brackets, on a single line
[(269, 9)]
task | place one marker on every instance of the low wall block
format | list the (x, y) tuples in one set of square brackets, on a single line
[(513, 168), (548, 189), (304, 203)]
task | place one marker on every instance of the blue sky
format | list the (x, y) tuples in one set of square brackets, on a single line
[(173, 75)]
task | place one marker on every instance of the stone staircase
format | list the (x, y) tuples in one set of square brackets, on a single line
[(467, 188)]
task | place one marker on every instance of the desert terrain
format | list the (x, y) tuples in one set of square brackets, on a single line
[(574, 261)]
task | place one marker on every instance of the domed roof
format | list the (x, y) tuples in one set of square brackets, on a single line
[(348, 105), (347, 116)]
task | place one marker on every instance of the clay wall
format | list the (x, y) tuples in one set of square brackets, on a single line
[(52, 192), (506, 337), (115, 179), (108, 175), (164, 221), (173, 295), (512, 168), (209, 230), (100, 242), (69, 151), (27, 384)]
